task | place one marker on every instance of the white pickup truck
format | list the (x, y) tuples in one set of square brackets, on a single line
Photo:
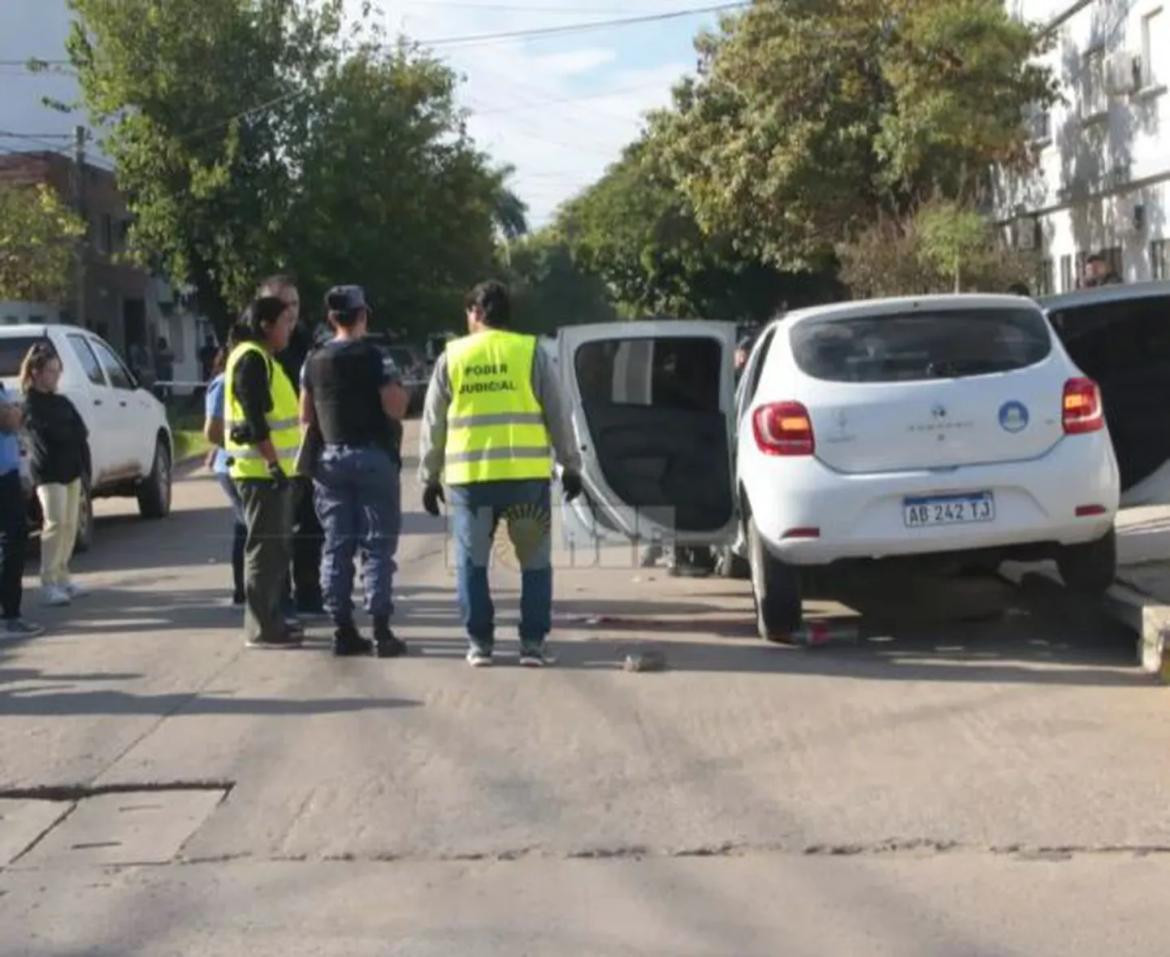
[(129, 438)]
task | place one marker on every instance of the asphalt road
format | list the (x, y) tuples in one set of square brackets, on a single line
[(983, 772)]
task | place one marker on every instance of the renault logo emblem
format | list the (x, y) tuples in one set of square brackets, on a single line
[(939, 411)]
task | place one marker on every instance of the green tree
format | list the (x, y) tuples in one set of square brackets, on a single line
[(635, 230), (549, 289), (810, 119), (257, 135), (393, 193), (940, 247), (38, 235), (204, 100)]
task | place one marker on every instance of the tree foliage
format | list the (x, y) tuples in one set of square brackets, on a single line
[(38, 234), (550, 289), (392, 194), (940, 247), (810, 119), (636, 232), (255, 135)]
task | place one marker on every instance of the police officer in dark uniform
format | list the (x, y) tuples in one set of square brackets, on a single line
[(353, 397)]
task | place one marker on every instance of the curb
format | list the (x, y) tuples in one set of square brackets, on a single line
[(1126, 604)]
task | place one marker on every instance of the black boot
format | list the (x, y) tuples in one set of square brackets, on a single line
[(389, 645), (348, 642)]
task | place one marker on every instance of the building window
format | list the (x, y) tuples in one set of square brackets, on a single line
[(1093, 102), (1039, 124), (1113, 261), (1044, 278), (1067, 280), (1152, 41), (1160, 258)]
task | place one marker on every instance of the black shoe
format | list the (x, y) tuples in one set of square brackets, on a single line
[(237, 598), (389, 644), (348, 642)]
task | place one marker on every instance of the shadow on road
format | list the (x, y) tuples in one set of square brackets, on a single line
[(43, 701)]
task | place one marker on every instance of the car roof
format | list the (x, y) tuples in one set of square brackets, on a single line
[(902, 304), (1117, 292)]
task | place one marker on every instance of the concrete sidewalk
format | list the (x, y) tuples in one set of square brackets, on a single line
[(1140, 599)]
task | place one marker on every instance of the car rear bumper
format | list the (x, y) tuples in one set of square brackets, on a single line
[(862, 516)]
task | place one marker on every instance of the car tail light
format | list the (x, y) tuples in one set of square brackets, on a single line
[(784, 428), (1087, 511), (1082, 407), (803, 533)]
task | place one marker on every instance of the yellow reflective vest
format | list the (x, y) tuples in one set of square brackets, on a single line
[(495, 425), (283, 418)]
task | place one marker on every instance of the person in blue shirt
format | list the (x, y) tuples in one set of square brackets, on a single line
[(13, 524), (213, 410)]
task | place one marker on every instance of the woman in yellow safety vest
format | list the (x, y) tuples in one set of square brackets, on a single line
[(261, 435)]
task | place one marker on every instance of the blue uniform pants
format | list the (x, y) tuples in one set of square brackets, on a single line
[(476, 511), (358, 498)]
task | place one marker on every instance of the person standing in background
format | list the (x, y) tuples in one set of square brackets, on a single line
[(356, 401), (220, 467), (304, 596), (59, 460), (261, 438), (13, 524)]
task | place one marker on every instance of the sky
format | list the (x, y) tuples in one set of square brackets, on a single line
[(556, 109)]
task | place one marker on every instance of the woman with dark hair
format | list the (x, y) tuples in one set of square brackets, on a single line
[(60, 457), (261, 436), (218, 461)]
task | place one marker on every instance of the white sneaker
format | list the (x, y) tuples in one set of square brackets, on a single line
[(55, 595), (75, 590)]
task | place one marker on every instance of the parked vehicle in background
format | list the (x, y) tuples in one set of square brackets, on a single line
[(411, 366), (130, 441), (1120, 336), (941, 425)]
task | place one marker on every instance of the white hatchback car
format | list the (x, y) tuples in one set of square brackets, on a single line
[(942, 424), (129, 438)]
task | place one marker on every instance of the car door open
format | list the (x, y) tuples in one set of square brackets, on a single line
[(652, 404)]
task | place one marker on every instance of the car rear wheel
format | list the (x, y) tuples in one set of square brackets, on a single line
[(1089, 568), (776, 589), (154, 495), (84, 540)]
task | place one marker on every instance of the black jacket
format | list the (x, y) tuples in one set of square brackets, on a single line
[(58, 438)]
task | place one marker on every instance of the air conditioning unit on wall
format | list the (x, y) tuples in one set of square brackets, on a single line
[(1123, 73)]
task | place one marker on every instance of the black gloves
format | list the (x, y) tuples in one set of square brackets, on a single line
[(276, 473), (572, 484), (432, 496)]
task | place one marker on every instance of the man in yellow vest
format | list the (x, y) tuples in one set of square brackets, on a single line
[(261, 437), (493, 419)]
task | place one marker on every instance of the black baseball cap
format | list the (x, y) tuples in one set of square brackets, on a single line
[(346, 299)]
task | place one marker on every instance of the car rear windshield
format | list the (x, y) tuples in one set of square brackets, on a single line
[(13, 349), (947, 344)]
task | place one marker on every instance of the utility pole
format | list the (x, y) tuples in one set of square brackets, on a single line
[(79, 137)]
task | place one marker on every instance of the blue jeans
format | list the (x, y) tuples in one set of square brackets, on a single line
[(239, 531), (359, 504), (476, 510)]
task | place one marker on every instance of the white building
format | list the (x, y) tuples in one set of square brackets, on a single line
[(1102, 184)]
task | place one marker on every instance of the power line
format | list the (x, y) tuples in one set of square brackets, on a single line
[(538, 32), (514, 8)]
